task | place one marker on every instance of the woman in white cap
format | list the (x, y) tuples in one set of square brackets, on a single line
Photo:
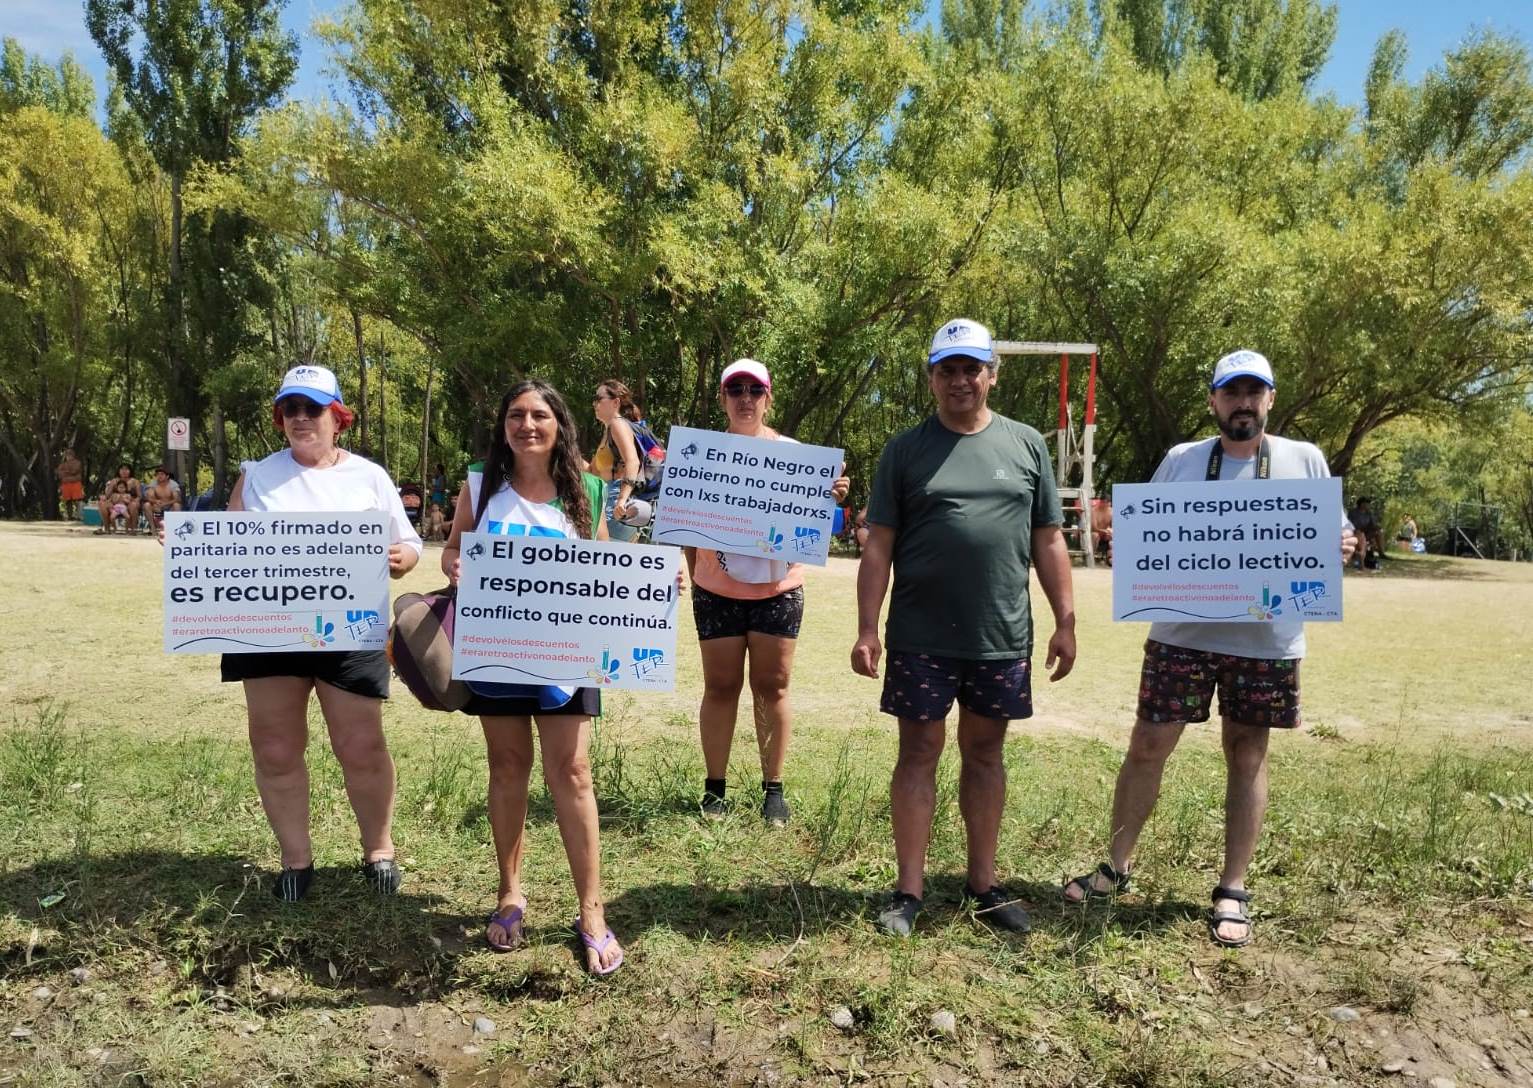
[(315, 475), (531, 484), (747, 606)]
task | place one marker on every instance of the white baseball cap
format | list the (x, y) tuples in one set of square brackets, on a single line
[(1242, 364), (314, 382), (961, 337), (746, 368), (639, 513)]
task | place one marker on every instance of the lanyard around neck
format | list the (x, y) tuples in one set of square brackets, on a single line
[(1263, 460)]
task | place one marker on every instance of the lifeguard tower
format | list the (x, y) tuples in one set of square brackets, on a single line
[(1074, 452)]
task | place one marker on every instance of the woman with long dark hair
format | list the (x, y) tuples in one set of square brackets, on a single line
[(531, 484), (617, 460)]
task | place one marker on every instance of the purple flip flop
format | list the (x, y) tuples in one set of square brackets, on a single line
[(509, 920), (599, 946)]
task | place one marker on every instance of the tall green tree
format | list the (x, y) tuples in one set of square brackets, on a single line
[(197, 73)]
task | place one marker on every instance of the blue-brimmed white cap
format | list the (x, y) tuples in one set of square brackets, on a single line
[(961, 337), (314, 382), (1242, 364)]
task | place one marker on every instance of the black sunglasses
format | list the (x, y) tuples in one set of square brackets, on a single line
[(755, 389), (293, 407)]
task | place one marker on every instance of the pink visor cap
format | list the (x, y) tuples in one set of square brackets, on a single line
[(746, 368)]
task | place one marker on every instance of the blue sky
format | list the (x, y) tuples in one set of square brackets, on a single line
[(50, 27)]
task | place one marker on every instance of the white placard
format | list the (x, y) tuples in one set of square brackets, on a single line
[(178, 433), (569, 613), (249, 583), (1228, 551), (750, 496)]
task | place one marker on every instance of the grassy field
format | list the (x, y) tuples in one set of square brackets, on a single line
[(138, 943)]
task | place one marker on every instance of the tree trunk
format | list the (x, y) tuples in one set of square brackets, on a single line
[(383, 419), (356, 328), (425, 476), (220, 460), (184, 388)]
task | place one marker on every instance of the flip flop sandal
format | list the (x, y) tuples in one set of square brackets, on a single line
[(1242, 916), (510, 920), (599, 945), (1089, 891)]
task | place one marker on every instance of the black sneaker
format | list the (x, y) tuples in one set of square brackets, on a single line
[(998, 908), (899, 918), (383, 875), (293, 884), (774, 809), (713, 807)]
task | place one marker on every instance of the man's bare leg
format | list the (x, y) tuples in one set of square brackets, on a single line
[(1245, 806)]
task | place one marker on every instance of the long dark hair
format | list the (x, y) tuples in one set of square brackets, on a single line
[(563, 463), (626, 407)]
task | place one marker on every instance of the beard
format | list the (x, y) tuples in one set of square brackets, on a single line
[(1243, 426)]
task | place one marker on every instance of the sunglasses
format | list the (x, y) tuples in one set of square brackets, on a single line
[(293, 407), (755, 389)]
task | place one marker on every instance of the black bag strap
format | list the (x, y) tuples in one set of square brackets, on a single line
[(1263, 460)]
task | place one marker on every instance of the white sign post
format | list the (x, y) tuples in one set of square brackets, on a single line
[(1232, 551), (178, 433), (544, 611), (246, 583), (750, 496)]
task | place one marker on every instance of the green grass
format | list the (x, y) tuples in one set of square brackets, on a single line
[(1393, 875)]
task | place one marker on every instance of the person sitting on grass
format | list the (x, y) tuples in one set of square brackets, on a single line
[(1370, 531), (161, 495), (1253, 666), (120, 499)]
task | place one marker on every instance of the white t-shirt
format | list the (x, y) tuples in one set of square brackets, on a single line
[(353, 484), (508, 514), (755, 569), (1284, 637)]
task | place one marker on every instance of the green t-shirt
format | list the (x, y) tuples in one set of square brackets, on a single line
[(963, 508)]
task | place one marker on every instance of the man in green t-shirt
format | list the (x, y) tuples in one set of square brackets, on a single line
[(962, 507)]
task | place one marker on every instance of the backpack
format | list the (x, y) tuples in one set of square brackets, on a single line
[(651, 461)]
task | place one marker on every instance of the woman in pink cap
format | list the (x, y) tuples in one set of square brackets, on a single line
[(747, 606)]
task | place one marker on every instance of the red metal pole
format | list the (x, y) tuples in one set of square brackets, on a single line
[(1091, 392)]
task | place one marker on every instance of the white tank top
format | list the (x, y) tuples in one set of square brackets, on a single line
[(508, 514)]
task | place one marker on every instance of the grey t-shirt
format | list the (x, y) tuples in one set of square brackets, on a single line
[(963, 508), (1283, 637)]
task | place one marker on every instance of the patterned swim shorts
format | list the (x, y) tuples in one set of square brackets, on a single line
[(1177, 685), (922, 687)]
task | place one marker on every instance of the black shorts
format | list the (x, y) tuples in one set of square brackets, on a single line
[(361, 672), (728, 617), (585, 701)]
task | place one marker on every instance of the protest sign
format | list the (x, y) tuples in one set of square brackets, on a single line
[(243, 583), (749, 496), (567, 613), (1233, 551)]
